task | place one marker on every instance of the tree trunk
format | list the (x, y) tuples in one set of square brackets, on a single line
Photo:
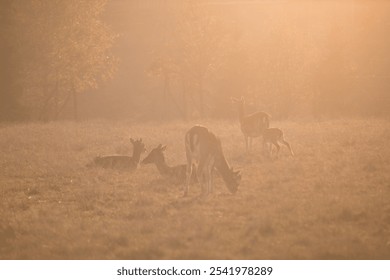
[(166, 91), (44, 111), (185, 101), (75, 105), (201, 97)]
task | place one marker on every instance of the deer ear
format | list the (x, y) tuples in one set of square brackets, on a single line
[(163, 148), (242, 98), (132, 140)]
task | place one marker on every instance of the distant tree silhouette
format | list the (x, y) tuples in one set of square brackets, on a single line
[(10, 90), (192, 54), (62, 48)]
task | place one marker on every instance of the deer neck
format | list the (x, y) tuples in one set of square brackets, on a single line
[(136, 156), (224, 169), (162, 167)]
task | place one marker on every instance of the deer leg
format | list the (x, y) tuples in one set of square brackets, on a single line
[(207, 180), (277, 148), (288, 146), (201, 174), (210, 170), (265, 148), (246, 143), (188, 177)]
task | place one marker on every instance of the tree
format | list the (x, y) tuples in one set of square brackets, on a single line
[(63, 49), (10, 89), (191, 54)]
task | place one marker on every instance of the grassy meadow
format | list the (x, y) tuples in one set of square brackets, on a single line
[(331, 201)]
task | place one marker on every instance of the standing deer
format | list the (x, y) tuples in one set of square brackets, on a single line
[(177, 172), (274, 136), (204, 153), (251, 125), (121, 161)]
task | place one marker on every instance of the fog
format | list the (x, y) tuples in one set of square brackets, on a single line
[(184, 59), (97, 101)]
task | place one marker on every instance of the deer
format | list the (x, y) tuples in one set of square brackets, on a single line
[(178, 172), (274, 136), (204, 153), (122, 161), (251, 125)]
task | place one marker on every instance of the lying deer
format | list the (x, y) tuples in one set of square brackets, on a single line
[(177, 172), (122, 161), (204, 153)]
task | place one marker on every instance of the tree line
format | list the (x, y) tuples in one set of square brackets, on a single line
[(295, 58), (52, 52)]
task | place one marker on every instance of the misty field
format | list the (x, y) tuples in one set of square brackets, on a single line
[(331, 201)]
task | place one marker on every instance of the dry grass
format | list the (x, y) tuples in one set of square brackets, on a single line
[(329, 202)]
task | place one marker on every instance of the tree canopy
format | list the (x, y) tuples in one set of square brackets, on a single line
[(58, 49)]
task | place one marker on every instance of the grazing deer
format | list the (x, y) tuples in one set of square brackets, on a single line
[(204, 152), (121, 161), (177, 172), (251, 125), (274, 136)]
